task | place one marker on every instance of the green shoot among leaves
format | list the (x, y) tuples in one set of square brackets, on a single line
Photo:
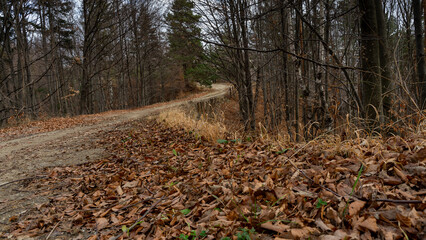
[(203, 234), (245, 234), (193, 235), (185, 211), (125, 229), (353, 187), (281, 198), (320, 203), (183, 237), (357, 179), (283, 151)]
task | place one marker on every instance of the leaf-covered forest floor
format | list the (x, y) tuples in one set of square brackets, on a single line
[(162, 182), (30, 146)]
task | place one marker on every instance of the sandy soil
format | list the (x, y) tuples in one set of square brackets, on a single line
[(25, 157)]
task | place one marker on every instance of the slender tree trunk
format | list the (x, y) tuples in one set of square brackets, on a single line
[(423, 88), (93, 18), (327, 41), (28, 82), (298, 67), (284, 36), (121, 55), (43, 17), (370, 58), (320, 75), (385, 74), (85, 89), (20, 46), (251, 124), (420, 60)]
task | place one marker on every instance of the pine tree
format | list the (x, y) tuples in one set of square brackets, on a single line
[(183, 36)]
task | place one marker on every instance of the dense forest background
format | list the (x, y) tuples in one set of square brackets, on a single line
[(298, 66)]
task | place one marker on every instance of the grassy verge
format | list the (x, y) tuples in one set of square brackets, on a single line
[(210, 128)]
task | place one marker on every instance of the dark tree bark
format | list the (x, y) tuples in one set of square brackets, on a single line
[(423, 87), (420, 60), (251, 121), (284, 36), (298, 67), (370, 58), (385, 73)]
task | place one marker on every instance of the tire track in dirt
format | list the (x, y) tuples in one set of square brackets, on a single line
[(25, 157)]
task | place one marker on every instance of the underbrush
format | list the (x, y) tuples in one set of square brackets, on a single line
[(225, 126), (210, 128)]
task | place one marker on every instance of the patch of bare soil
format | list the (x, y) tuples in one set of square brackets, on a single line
[(23, 155)]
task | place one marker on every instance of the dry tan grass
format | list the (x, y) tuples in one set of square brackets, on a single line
[(210, 129), (346, 140)]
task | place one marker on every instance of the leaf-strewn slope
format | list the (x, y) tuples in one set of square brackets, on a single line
[(174, 185)]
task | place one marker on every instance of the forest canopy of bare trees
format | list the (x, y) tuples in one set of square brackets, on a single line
[(312, 65), (306, 65), (64, 57)]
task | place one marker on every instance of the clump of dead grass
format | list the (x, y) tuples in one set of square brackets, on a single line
[(211, 128)]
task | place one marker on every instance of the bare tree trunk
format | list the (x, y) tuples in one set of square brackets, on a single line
[(85, 89), (298, 67), (93, 14), (284, 36), (420, 60), (20, 47), (251, 124), (123, 97), (423, 88), (327, 41), (370, 57), (385, 74), (320, 75), (28, 82)]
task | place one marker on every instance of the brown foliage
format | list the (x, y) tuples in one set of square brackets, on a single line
[(157, 173)]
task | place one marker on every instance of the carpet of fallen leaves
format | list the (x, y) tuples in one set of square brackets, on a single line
[(163, 183)]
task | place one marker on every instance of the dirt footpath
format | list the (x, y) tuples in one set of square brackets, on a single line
[(25, 157)]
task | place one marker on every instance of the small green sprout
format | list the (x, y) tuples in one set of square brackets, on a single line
[(320, 203), (185, 211)]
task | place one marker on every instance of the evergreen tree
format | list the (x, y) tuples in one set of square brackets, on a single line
[(183, 35)]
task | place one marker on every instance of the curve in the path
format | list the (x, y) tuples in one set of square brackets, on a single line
[(43, 141), (25, 157)]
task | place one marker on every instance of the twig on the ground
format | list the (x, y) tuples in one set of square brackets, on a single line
[(303, 173), (400, 201), (56, 225), (22, 179), (144, 215), (310, 179), (134, 204), (148, 190)]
